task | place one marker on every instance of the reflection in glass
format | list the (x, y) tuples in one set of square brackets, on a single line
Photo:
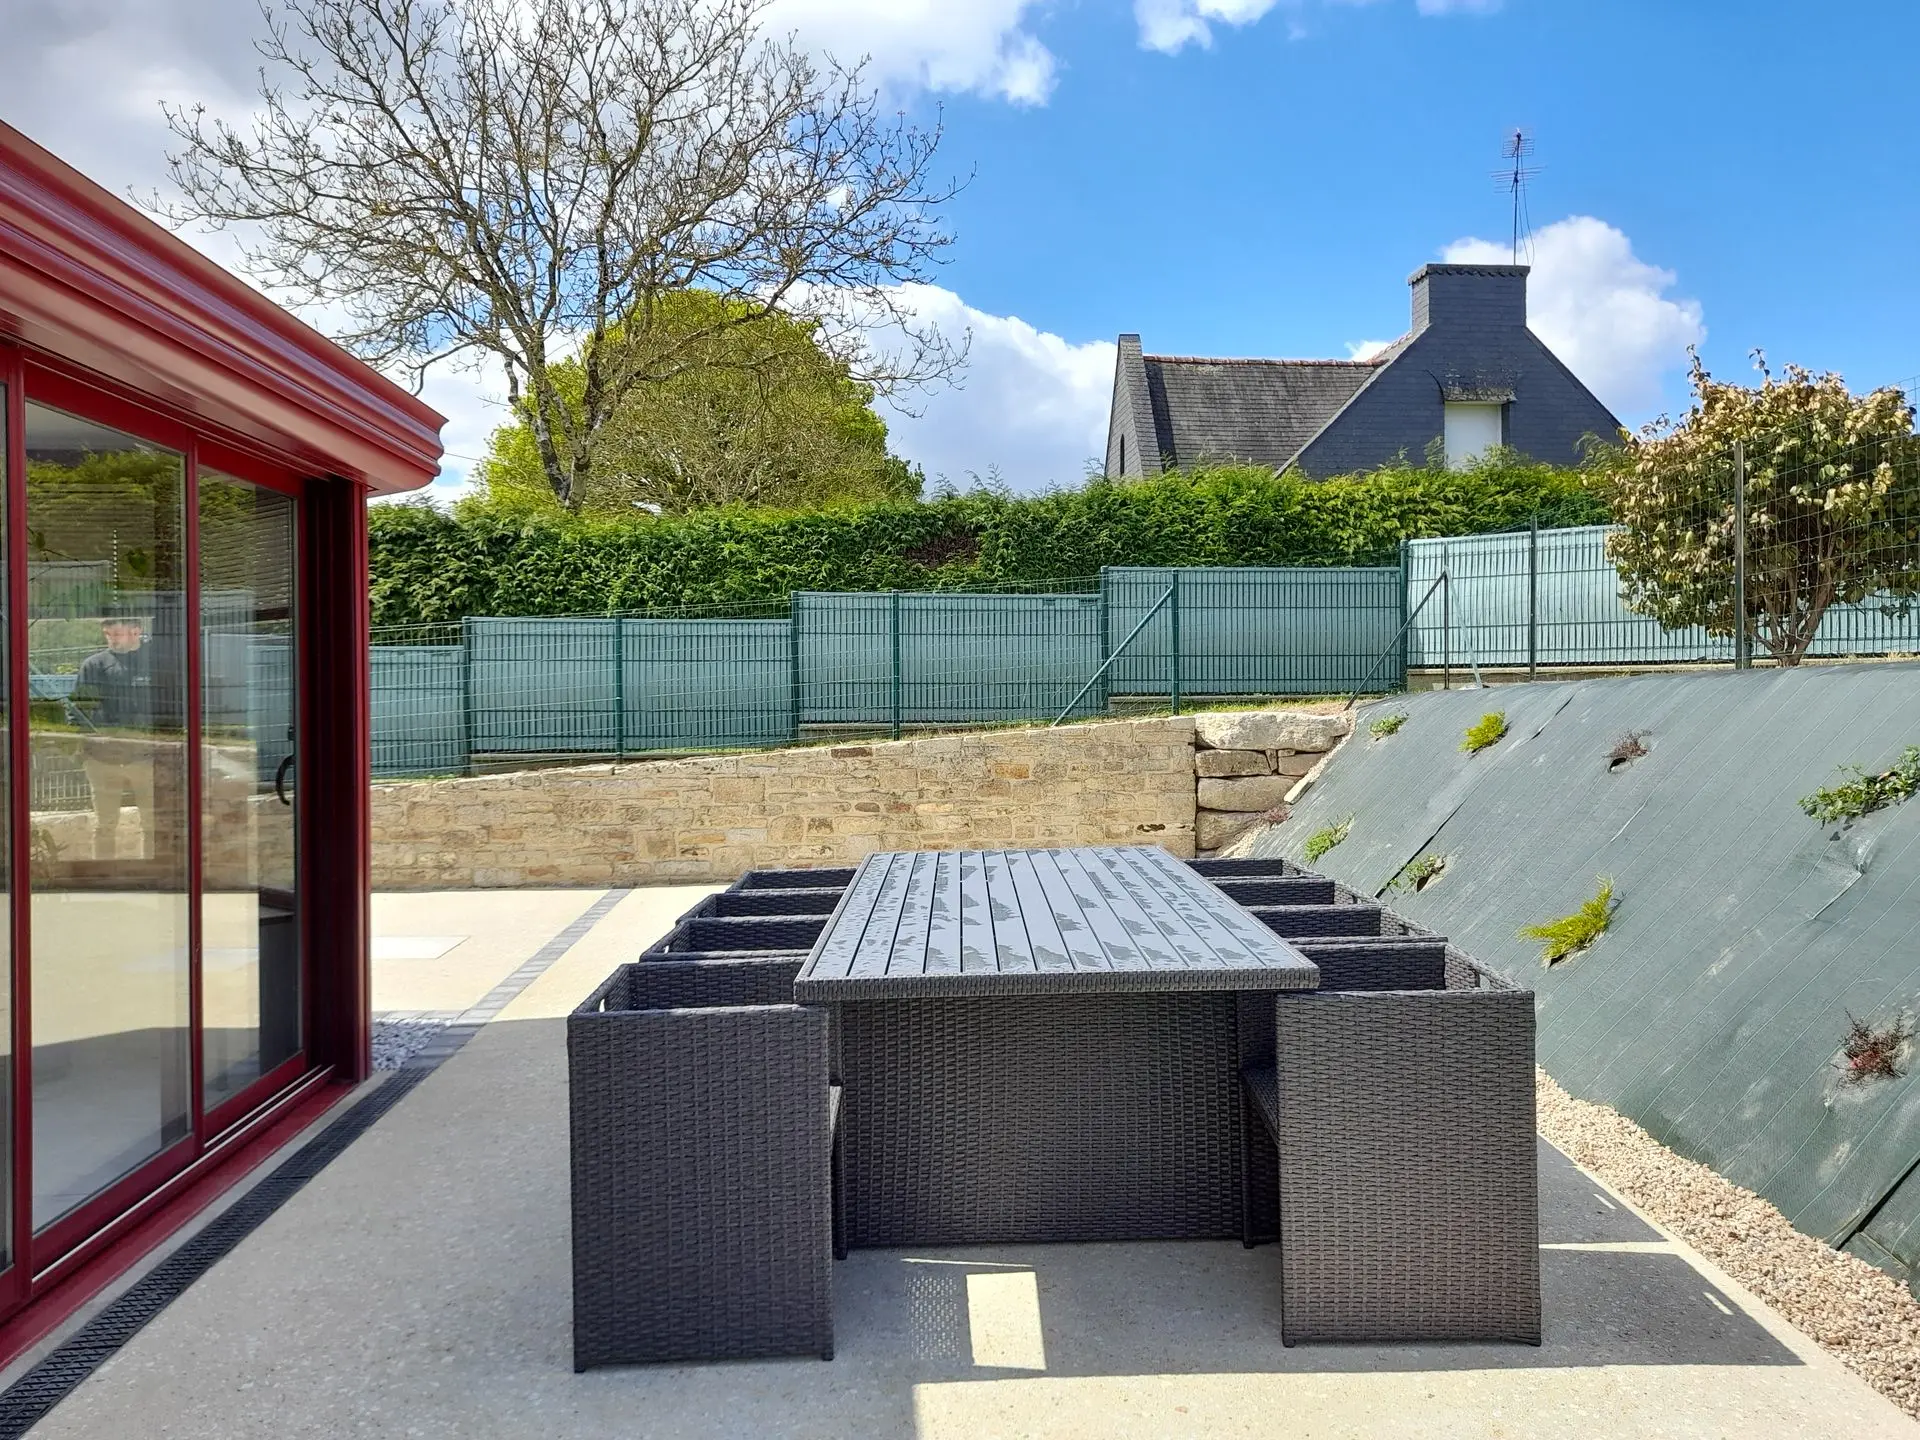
[(6, 887), (250, 959), (107, 667)]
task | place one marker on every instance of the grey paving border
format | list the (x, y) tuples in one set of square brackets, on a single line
[(58, 1373)]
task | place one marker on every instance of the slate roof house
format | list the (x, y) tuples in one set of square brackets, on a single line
[(1469, 373)]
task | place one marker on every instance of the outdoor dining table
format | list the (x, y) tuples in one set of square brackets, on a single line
[(1039, 1045)]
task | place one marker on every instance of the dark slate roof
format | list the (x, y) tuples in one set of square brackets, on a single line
[(1257, 411)]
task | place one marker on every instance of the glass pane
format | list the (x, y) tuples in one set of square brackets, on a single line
[(6, 884), (107, 660), (250, 954)]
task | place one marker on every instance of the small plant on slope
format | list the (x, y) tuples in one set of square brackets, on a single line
[(1420, 872), (1864, 793), (1387, 725), (1487, 731), (1322, 841), (1627, 749), (1573, 933), (1872, 1054)]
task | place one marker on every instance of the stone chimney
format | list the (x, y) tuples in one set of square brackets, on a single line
[(1489, 296)]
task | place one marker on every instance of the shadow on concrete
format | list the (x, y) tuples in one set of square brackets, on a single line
[(1207, 1307)]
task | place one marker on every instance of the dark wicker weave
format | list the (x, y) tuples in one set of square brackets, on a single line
[(1242, 869), (1397, 963), (655, 956), (834, 877), (1408, 1190), (762, 933), (670, 984), (701, 1143), (1048, 1046), (1302, 921), (1292, 890), (740, 904), (1037, 1118)]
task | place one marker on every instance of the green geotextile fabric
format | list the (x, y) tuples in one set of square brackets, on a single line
[(1714, 1009)]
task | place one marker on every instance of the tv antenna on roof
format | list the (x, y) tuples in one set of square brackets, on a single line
[(1513, 177)]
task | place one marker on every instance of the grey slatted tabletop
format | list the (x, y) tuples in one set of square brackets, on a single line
[(1012, 922)]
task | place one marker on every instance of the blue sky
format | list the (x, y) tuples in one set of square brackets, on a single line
[(1258, 177)]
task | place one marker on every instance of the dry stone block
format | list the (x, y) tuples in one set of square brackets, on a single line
[(1295, 764), (1214, 828), (1219, 764), (1270, 730), (1250, 794)]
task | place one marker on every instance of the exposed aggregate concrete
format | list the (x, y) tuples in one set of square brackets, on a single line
[(1861, 1315)]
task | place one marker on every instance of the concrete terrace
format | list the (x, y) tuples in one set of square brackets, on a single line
[(419, 1287)]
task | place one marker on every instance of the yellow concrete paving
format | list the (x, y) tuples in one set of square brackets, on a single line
[(502, 928), (419, 1286)]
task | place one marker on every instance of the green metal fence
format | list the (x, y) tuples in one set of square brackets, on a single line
[(1553, 597), (420, 721), (1254, 631), (873, 663), (916, 658)]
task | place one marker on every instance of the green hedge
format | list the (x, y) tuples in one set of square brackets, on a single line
[(431, 566)]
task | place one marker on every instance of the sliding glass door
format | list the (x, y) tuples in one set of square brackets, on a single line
[(250, 955), (110, 970), (164, 968)]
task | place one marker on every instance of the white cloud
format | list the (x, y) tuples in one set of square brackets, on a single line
[(979, 46), (126, 56), (1171, 25), (1030, 406), (1601, 309), (1365, 349)]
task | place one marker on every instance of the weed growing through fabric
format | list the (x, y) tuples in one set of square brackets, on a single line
[(1487, 731), (1627, 749), (1387, 725), (1872, 1054), (1321, 841), (1863, 793), (1420, 872), (1573, 933)]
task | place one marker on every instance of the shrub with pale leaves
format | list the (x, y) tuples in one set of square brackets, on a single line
[(1833, 506)]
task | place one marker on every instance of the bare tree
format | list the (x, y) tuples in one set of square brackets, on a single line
[(527, 179)]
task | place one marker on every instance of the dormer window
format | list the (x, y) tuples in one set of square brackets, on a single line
[(1473, 428)]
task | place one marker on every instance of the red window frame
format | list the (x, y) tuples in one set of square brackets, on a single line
[(41, 1261)]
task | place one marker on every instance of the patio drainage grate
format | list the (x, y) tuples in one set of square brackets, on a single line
[(29, 1399)]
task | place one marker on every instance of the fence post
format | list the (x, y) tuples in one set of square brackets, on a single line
[(1742, 642), (1533, 599), (1173, 616), (1446, 619), (466, 694), (1406, 586), (619, 688), (893, 606), (793, 662)]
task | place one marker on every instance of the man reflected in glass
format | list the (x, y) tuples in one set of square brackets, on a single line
[(113, 695)]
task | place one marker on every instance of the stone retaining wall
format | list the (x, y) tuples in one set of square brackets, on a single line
[(710, 819), (1251, 764)]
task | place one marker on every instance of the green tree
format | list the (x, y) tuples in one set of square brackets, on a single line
[(1833, 506), (767, 416), (511, 180)]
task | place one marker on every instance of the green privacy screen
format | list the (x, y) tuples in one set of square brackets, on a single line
[(945, 658), (1745, 939), (1295, 631), (419, 709), (1559, 592), (614, 686)]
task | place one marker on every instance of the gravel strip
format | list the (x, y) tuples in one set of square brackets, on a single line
[(397, 1039), (1863, 1316)]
